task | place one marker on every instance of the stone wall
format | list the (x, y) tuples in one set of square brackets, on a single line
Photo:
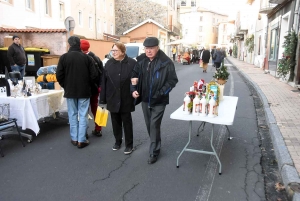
[(129, 13)]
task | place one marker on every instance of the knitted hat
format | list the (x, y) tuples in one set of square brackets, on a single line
[(84, 45), (15, 37)]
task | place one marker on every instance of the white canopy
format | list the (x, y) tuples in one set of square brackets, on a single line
[(181, 41)]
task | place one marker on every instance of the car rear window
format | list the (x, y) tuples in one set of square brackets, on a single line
[(132, 51)]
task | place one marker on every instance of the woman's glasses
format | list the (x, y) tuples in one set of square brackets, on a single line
[(114, 50)]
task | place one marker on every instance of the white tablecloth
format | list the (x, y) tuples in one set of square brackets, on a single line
[(225, 116), (28, 110)]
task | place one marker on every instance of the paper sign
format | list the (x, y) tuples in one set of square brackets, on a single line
[(30, 58)]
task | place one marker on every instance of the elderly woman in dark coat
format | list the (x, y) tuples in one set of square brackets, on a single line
[(115, 92), (218, 57)]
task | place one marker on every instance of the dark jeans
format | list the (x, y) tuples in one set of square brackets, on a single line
[(120, 120), (174, 55), (153, 117), (217, 64)]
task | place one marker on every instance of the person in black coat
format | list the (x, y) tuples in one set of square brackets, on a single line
[(115, 92), (153, 78), (205, 56), (76, 73)]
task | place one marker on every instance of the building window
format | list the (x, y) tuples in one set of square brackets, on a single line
[(112, 29), (80, 18), (48, 7), (90, 23), (201, 18), (213, 29), (105, 27), (90, 1), (61, 10), (186, 31), (259, 42), (29, 4), (273, 44), (193, 3), (200, 39), (104, 6), (111, 9), (213, 20), (224, 27), (183, 2), (98, 25), (200, 29)]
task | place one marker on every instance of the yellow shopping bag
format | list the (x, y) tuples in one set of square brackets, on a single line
[(101, 116)]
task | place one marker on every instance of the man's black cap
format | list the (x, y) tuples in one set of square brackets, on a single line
[(151, 42)]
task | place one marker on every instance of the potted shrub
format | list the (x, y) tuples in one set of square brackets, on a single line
[(222, 75)]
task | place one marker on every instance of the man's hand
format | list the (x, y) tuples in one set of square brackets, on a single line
[(135, 94)]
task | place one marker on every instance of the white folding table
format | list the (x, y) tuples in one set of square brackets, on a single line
[(226, 113)]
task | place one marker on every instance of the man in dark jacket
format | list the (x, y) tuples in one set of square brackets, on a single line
[(85, 45), (16, 56), (76, 73), (156, 77)]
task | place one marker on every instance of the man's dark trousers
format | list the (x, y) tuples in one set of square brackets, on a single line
[(153, 117)]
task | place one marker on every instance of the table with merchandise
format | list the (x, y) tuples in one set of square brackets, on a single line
[(226, 113)]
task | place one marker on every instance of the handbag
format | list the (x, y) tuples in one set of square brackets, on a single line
[(101, 116), (201, 63)]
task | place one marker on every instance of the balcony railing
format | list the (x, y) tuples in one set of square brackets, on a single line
[(266, 7), (277, 1), (175, 30)]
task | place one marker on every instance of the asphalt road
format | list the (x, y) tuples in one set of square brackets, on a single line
[(51, 168)]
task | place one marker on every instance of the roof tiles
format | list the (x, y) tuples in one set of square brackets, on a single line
[(12, 30)]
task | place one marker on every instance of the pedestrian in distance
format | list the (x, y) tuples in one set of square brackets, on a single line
[(115, 92), (218, 58), (152, 80), (230, 51), (174, 53), (213, 50), (205, 56), (76, 73), (85, 45), (16, 56)]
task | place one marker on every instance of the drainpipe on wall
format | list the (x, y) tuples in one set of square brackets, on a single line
[(95, 6), (296, 28)]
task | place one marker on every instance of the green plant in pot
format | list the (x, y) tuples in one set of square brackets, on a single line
[(221, 75)]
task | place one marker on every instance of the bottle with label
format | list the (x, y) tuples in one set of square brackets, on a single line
[(196, 104), (202, 106), (186, 102), (211, 106)]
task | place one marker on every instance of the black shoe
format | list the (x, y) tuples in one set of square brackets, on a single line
[(128, 150), (116, 147), (74, 142), (81, 145), (152, 159), (97, 133)]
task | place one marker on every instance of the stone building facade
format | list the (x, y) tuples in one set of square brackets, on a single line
[(132, 12)]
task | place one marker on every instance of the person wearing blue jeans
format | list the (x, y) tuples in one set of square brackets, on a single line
[(76, 73), (78, 117), (19, 68), (16, 56)]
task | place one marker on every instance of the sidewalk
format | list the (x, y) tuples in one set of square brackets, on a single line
[(282, 108)]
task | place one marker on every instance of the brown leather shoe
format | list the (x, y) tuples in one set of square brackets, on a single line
[(81, 145), (74, 142)]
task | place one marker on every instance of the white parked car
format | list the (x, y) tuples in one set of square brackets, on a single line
[(134, 49)]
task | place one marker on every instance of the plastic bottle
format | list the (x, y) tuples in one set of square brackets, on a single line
[(202, 106), (196, 104), (186, 102)]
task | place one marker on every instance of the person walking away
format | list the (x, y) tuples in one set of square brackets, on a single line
[(105, 60), (230, 51), (84, 46), (212, 56), (223, 51), (115, 92), (174, 53), (76, 73), (16, 56), (155, 76), (205, 56), (218, 56)]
